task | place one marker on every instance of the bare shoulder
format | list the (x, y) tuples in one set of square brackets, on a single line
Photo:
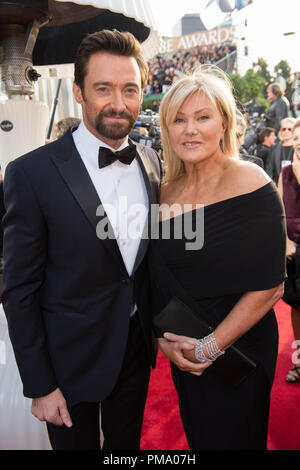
[(247, 176)]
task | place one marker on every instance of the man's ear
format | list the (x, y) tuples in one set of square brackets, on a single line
[(77, 93)]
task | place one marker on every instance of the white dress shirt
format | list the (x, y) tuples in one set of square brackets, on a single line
[(122, 192)]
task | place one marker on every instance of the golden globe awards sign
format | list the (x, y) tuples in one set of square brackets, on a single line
[(215, 37)]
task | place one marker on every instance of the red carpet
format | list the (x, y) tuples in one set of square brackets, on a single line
[(162, 429)]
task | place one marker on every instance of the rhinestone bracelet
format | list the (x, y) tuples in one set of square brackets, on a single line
[(199, 353), (211, 347)]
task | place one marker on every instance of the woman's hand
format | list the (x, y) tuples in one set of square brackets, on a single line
[(290, 248), (181, 351)]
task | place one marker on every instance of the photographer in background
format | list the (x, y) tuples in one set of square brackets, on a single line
[(241, 126), (140, 134), (279, 107), (266, 140), (282, 153)]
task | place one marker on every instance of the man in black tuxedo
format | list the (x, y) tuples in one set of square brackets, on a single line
[(75, 278)]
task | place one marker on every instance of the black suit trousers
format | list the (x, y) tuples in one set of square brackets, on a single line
[(121, 412)]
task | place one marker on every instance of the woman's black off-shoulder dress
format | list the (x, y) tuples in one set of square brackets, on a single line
[(243, 250)]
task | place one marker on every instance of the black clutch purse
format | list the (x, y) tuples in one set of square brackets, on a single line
[(232, 367)]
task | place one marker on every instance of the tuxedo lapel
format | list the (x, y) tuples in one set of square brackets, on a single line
[(71, 167), (151, 187), (146, 167)]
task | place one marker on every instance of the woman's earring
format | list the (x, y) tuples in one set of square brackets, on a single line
[(222, 144)]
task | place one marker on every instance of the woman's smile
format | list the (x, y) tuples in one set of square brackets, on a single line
[(191, 144)]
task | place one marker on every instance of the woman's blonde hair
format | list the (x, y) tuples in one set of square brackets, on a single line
[(240, 120), (287, 119), (213, 83), (296, 125)]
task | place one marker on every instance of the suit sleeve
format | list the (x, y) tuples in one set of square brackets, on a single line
[(25, 255)]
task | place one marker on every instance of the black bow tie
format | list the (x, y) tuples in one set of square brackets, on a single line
[(107, 157)]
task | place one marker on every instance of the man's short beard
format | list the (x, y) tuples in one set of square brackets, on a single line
[(114, 130)]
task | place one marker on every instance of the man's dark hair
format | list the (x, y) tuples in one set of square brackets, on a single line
[(276, 89), (265, 132), (112, 42)]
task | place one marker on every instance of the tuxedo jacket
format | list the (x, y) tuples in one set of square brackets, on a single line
[(67, 294)]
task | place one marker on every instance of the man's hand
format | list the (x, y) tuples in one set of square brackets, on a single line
[(181, 351), (52, 408)]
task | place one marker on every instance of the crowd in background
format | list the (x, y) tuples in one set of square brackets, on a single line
[(163, 68)]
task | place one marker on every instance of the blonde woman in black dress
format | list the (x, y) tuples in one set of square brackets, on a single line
[(289, 189), (235, 276)]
